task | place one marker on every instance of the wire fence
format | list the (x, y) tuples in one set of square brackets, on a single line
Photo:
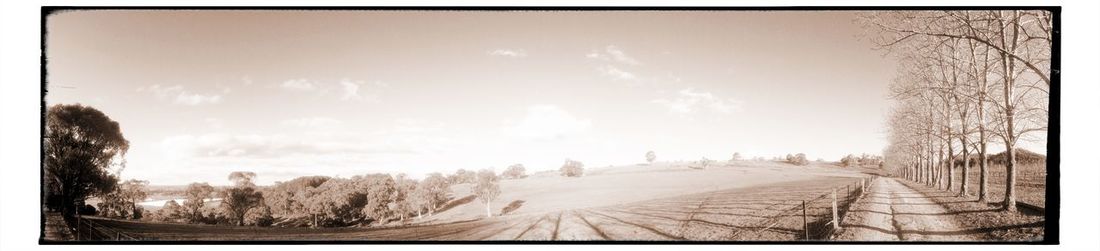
[(87, 229), (821, 216), (816, 218)]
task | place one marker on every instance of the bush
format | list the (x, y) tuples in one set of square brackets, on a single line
[(259, 216), (702, 164), (516, 171), (572, 168), (798, 159)]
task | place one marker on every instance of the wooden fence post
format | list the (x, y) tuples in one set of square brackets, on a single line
[(836, 220), (805, 222)]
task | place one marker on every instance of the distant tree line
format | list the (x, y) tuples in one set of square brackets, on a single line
[(851, 160)]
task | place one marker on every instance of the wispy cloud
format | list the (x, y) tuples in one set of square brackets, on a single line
[(221, 145), (613, 54), (688, 101), (300, 84), (177, 95), (350, 90), (345, 89), (546, 122), (508, 53), (616, 73)]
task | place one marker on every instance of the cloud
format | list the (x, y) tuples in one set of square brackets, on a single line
[(616, 73), (300, 84), (275, 146), (546, 122), (688, 101), (182, 97), (197, 99), (613, 54), (350, 90), (508, 53), (345, 89), (313, 123)]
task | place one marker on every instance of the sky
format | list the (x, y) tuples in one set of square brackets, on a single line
[(200, 94)]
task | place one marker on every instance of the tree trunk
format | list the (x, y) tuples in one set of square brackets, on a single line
[(1010, 111), (983, 158), (964, 189), (950, 162), (488, 209), (940, 169)]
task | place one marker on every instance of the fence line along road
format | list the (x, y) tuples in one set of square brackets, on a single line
[(88, 229)]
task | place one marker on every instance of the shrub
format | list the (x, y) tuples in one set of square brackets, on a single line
[(259, 216), (572, 168), (702, 164), (650, 156), (798, 159), (516, 171)]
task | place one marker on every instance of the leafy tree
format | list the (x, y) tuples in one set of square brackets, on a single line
[(516, 171), (196, 195), (337, 201), (113, 205), (171, 212), (487, 189), (433, 191), (281, 198), (122, 203), (259, 216), (380, 193), (572, 168), (461, 176), (849, 160), (242, 178), (242, 197), (403, 201), (650, 156), (419, 200), (798, 159), (736, 156), (81, 146), (134, 191)]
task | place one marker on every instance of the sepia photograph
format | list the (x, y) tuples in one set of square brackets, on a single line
[(549, 125)]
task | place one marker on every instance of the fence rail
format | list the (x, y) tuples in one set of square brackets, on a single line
[(822, 215), (816, 218), (88, 229)]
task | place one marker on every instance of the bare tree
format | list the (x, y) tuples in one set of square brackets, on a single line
[(963, 46)]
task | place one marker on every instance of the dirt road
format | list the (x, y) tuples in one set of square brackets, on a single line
[(892, 211)]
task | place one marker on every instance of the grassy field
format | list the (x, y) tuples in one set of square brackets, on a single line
[(746, 201)]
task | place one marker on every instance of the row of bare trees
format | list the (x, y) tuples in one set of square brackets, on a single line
[(967, 80)]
